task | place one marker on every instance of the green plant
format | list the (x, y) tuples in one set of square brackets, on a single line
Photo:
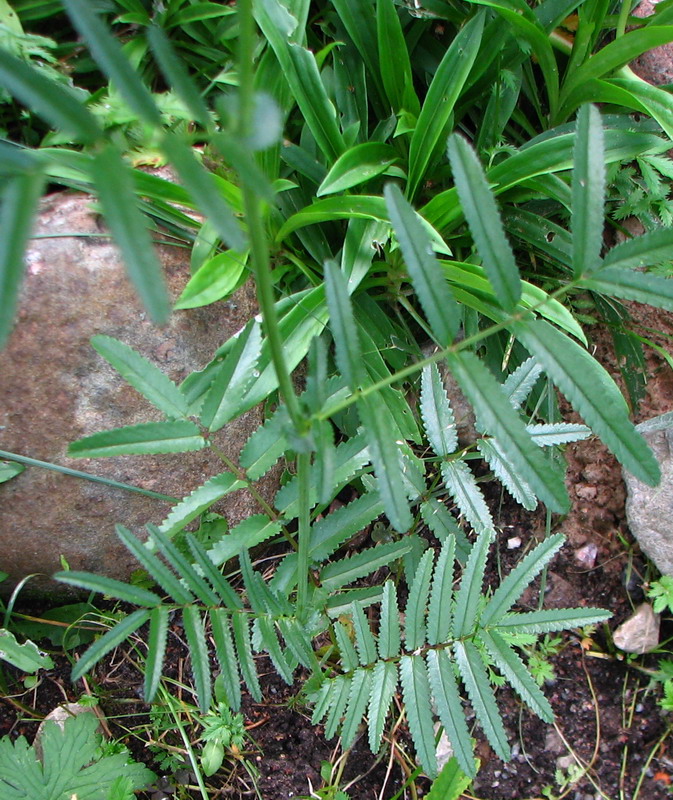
[(661, 591), (222, 731)]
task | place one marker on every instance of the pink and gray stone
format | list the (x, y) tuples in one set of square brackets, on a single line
[(55, 388)]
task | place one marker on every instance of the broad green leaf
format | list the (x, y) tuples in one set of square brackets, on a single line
[(416, 694), (467, 598), (198, 652), (150, 437), (394, 61), (655, 290), (156, 650), (351, 206), (474, 676), (246, 661), (483, 218), (441, 595), (592, 392), (496, 416), (451, 782), (385, 457), (343, 327), (653, 100), (25, 657), (9, 470), (450, 708), (463, 487), (358, 699), (340, 573), (144, 376), (551, 619), (425, 272), (417, 602), (389, 627), (250, 532), (383, 686), (513, 586), (194, 504), (438, 419), (114, 185), (330, 532), (110, 57), (445, 89), (588, 187), (357, 165), (114, 637), (226, 656), (198, 12), (512, 667), (127, 592), (19, 201), (496, 457), (648, 250), (214, 280)]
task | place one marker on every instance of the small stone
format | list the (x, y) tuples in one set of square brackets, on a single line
[(586, 555), (563, 762), (514, 542), (586, 492), (640, 632), (553, 742)]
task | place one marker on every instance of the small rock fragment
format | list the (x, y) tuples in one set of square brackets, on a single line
[(514, 542), (586, 555), (640, 632)]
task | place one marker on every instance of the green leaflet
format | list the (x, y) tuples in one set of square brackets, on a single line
[(445, 89), (451, 782), (462, 486), (148, 438), (227, 596), (383, 686), (592, 392), (156, 650), (330, 532), (439, 622), (245, 659), (357, 165), (226, 656), (414, 613), (270, 643), (347, 651), (648, 250), (483, 219), (266, 445), (551, 619), (198, 651), (389, 627), (416, 693), (339, 691), (438, 419), (496, 457), (19, 200), (25, 657), (425, 272), (467, 598), (109, 586), (441, 522), (473, 673), (199, 501), (588, 188), (358, 700), (495, 415), (144, 376), (557, 433), (343, 327), (340, 573), (655, 290), (250, 532)]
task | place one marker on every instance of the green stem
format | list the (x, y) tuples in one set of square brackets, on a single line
[(304, 488), (624, 12)]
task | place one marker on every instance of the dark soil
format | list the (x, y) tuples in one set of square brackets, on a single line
[(610, 740)]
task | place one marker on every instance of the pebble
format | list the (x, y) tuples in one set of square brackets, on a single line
[(640, 632), (514, 542), (586, 555)]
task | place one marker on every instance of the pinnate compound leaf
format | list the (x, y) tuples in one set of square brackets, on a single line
[(513, 586), (144, 376), (198, 652), (512, 667), (156, 650), (655, 290), (475, 678), (414, 613), (593, 393), (433, 291), (588, 192), (483, 218), (463, 487), (358, 699), (551, 619), (383, 686), (416, 694), (450, 708), (438, 419), (469, 594), (343, 327), (504, 471), (109, 586), (496, 416), (200, 500), (441, 595)]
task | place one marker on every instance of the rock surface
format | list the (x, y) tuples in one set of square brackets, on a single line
[(55, 388), (655, 66), (649, 509), (640, 632)]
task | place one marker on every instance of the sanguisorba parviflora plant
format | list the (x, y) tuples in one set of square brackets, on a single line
[(353, 421)]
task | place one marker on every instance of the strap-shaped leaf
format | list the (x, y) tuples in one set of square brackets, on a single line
[(513, 586), (462, 485), (593, 393), (245, 658), (546, 435), (358, 699), (266, 445), (271, 645), (227, 595), (198, 651), (226, 656), (512, 667), (121, 631), (149, 438), (384, 684), (252, 531), (588, 188), (338, 702), (417, 702), (438, 419), (224, 400), (441, 595), (474, 676), (442, 523), (389, 627), (496, 457), (364, 641), (394, 61), (19, 200), (144, 376), (433, 291), (346, 570), (496, 416), (519, 383), (348, 656), (200, 500), (417, 602), (330, 532), (115, 189), (450, 708), (156, 568), (109, 586), (343, 327), (551, 619), (357, 165), (385, 457), (156, 650), (483, 217), (467, 599), (648, 250), (655, 290)]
